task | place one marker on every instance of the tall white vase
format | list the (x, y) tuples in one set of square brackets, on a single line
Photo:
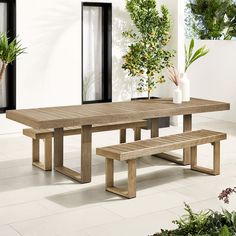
[(177, 96), (185, 88)]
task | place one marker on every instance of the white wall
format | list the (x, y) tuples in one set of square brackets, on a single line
[(214, 76), (50, 73)]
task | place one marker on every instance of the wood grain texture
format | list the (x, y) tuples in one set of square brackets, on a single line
[(187, 126), (131, 178), (48, 154), (69, 116), (47, 133), (109, 168), (86, 153), (58, 147), (154, 128), (122, 135), (137, 134), (152, 146), (131, 151)]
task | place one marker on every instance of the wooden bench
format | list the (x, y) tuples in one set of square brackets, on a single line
[(131, 151), (48, 134)]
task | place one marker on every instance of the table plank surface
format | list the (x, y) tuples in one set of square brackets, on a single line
[(68, 116)]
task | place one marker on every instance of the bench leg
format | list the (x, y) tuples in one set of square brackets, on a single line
[(132, 178), (122, 135), (131, 192), (109, 168), (137, 134), (186, 158), (47, 165), (187, 126), (216, 160), (48, 154)]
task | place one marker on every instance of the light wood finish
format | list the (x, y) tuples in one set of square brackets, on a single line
[(35, 150), (58, 147), (69, 173), (216, 164), (48, 153), (47, 136), (109, 168), (123, 136), (43, 133), (141, 148), (70, 116), (131, 178), (47, 164), (187, 126), (91, 114), (186, 159), (110, 187), (155, 128), (131, 151), (86, 153), (216, 160), (137, 134)]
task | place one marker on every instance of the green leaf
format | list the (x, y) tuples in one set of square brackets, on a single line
[(224, 231)]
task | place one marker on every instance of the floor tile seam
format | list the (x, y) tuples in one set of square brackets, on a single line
[(15, 229), (49, 215)]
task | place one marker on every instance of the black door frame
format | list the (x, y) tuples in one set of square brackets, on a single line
[(11, 70), (106, 51)]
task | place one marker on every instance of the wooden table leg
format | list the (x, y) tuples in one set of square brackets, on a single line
[(186, 159), (58, 147), (187, 126), (155, 127), (86, 153)]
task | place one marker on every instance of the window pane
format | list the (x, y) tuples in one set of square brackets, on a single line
[(3, 28), (92, 53)]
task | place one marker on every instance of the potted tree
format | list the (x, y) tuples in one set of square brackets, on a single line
[(147, 55)]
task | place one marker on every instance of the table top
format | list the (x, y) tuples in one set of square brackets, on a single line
[(69, 116)]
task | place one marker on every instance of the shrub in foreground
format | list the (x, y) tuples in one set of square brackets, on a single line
[(204, 223)]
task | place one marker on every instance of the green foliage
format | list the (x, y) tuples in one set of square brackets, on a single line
[(191, 56), (147, 55), (213, 19), (9, 50), (204, 223)]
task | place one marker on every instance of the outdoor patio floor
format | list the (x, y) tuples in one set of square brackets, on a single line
[(33, 202)]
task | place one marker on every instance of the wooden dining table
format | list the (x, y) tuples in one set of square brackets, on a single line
[(86, 116)]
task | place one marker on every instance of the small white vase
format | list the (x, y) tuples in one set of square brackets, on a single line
[(177, 96), (185, 88)]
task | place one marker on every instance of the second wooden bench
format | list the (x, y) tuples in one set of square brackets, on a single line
[(48, 134), (131, 151)]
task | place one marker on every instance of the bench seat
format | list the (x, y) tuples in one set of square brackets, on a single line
[(131, 151), (48, 134)]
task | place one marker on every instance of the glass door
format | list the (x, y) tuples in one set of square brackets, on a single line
[(96, 47), (8, 83), (3, 28)]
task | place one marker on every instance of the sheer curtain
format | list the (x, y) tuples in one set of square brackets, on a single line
[(92, 53), (3, 28)]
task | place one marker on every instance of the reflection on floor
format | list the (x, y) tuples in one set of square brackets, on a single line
[(33, 202)]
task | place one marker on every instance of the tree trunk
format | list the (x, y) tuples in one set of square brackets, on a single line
[(149, 94), (3, 70)]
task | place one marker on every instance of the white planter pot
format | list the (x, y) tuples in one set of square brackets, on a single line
[(185, 88)]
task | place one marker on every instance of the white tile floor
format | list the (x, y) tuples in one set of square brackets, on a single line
[(33, 202)]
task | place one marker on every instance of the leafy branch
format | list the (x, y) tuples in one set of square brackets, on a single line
[(191, 56)]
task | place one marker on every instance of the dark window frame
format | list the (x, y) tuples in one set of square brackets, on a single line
[(11, 70), (106, 51)]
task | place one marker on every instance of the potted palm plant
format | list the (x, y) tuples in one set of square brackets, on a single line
[(9, 51)]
